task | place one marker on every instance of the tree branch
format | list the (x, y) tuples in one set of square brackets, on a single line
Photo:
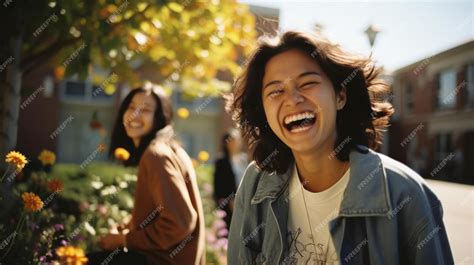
[(34, 60)]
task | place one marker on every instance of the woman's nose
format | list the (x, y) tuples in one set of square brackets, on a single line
[(294, 96)]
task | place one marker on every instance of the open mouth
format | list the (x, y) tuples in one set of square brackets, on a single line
[(134, 125), (299, 122)]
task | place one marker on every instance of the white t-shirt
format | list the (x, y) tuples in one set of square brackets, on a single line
[(322, 208)]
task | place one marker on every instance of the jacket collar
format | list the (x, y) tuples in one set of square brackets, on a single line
[(367, 192)]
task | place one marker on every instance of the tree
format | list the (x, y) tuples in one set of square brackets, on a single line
[(187, 41)]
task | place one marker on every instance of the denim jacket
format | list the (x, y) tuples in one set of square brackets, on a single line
[(388, 215)]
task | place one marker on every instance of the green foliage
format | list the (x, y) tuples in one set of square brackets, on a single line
[(178, 40), (93, 200)]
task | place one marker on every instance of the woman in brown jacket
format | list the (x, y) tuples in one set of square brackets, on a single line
[(167, 225)]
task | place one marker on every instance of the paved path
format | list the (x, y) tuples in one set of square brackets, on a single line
[(458, 205)]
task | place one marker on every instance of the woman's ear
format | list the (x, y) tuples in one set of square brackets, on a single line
[(341, 98)]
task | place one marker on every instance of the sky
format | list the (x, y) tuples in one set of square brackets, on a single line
[(409, 30)]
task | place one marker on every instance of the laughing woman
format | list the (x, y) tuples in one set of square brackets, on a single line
[(316, 192), (167, 225)]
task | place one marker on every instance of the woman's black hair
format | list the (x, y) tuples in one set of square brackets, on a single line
[(163, 116), (360, 122)]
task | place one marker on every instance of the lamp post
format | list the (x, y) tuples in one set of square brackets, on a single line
[(318, 28), (372, 32)]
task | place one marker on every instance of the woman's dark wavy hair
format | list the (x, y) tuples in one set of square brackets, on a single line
[(163, 116), (363, 118)]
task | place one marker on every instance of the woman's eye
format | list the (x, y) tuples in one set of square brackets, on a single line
[(275, 92), (308, 84)]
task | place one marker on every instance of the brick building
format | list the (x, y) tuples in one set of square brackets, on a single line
[(433, 126)]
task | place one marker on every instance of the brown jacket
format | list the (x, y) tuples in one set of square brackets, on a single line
[(167, 221)]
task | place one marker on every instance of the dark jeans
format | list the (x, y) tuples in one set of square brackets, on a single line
[(116, 257)]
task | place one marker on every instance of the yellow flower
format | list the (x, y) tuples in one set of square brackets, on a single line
[(203, 156), (71, 255), (17, 159), (47, 157), (32, 202), (183, 113), (122, 154)]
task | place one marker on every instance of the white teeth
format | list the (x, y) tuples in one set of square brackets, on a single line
[(135, 124), (292, 118), (300, 129)]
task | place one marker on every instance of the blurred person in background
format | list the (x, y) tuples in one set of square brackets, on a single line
[(167, 208), (229, 169)]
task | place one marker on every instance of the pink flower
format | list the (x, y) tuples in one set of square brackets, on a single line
[(220, 213), (102, 209), (210, 237), (222, 232), (221, 242)]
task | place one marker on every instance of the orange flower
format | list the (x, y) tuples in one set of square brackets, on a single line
[(122, 154), (71, 255), (32, 202), (17, 159), (47, 157), (55, 185)]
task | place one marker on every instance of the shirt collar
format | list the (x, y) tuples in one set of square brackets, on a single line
[(367, 192)]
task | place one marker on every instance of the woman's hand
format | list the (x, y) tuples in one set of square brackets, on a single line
[(112, 241)]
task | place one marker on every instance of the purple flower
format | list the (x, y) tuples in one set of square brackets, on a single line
[(222, 232), (59, 227), (34, 226), (42, 258), (63, 242)]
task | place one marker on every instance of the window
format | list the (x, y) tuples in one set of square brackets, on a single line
[(470, 84), (99, 93), (409, 97), (443, 146), (75, 89), (83, 91), (443, 167), (446, 92)]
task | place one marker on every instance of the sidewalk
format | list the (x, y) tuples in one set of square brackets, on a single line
[(458, 205)]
